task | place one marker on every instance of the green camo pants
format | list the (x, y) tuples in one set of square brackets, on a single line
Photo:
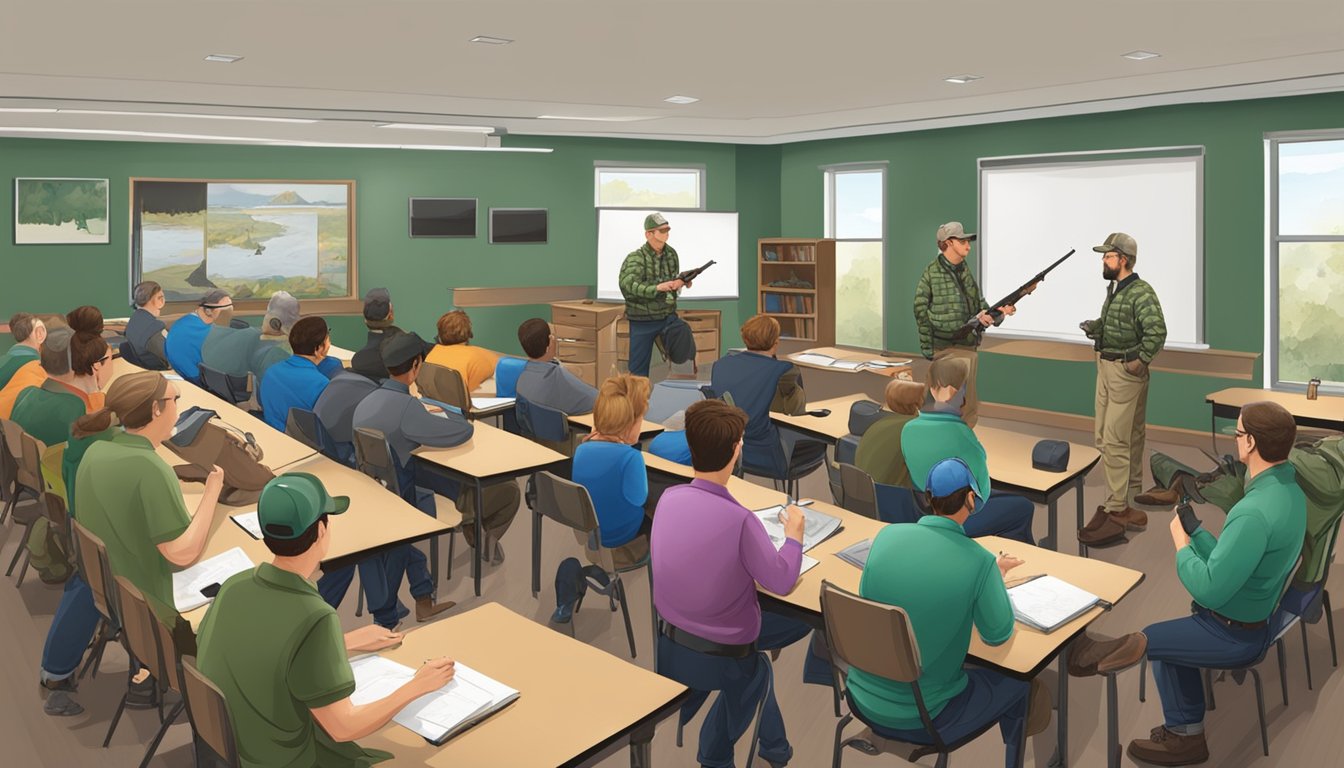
[(1222, 493)]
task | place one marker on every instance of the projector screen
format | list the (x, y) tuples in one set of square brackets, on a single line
[(1032, 211), (697, 237)]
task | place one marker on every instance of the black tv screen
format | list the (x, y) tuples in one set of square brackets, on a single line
[(443, 217), (518, 225)]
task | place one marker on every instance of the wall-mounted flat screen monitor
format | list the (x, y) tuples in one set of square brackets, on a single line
[(443, 217), (518, 225)]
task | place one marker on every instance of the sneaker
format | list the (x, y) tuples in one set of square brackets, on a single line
[(563, 613), (1101, 529), (1164, 747), (59, 704)]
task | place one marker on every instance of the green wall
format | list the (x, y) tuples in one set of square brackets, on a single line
[(931, 178)]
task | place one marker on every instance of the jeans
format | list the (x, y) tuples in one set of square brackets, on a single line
[(1180, 648), (333, 585), (1003, 515), (988, 697), (741, 683), (71, 629), (642, 334)]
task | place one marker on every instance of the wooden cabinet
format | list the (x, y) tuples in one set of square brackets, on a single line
[(705, 325), (586, 338), (796, 286)]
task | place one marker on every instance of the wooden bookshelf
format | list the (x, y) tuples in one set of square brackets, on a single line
[(804, 302)]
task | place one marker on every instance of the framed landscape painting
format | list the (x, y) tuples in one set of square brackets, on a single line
[(60, 211), (251, 238)]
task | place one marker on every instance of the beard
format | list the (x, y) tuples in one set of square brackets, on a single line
[(1109, 274)]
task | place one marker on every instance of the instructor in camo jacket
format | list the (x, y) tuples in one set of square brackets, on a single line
[(1127, 336)]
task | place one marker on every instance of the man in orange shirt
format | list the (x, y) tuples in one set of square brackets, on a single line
[(476, 364)]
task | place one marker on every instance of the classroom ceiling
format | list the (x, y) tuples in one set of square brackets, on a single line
[(764, 71)]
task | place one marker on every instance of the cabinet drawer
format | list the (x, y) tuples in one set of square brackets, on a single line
[(576, 352), (623, 347), (586, 372), (706, 340), (702, 322), (574, 332), (705, 357)]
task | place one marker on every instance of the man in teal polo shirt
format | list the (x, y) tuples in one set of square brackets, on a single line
[(288, 687), (29, 333), (1235, 579), (946, 583)]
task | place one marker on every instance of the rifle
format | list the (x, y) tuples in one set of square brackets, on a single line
[(691, 274), (974, 326)]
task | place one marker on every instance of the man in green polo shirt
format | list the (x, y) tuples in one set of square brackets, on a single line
[(288, 686), (1235, 579), (947, 584), (29, 332), (649, 284)]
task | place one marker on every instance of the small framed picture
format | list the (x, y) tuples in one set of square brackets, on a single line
[(60, 211)]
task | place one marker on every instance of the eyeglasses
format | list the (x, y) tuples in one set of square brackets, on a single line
[(1243, 433), (173, 399), (105, 358), (664, 230)]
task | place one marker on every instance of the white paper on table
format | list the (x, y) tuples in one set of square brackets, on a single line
[(808, 564), (815, 358), (376, 678), (848, 365), (486, 403), (1047, 602), (817, 526), (467, 696), (888, 363), (187, 585), (172, 376), (250, 522)]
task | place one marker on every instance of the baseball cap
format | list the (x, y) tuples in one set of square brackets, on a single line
[(654, 221), (377, 306), (282, 312), (1119, 241), (292, 502), (949, 476), (212, 299), (402, 348), (954, 229)]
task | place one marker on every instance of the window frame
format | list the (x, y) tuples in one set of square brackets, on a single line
[(829, 174), (599, 166)]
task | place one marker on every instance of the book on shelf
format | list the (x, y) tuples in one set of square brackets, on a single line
[(773, 303), (466, 700)]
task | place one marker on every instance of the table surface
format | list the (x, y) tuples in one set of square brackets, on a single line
[(342, 354), (490, 452), (850, 355), (573, 696), (1325, 407), (647, 429)]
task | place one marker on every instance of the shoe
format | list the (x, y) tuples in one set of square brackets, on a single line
[(1133, 519), (426, 608), (67, 684), (597, 579), (563, 613), (1158, 497), (1101, 529), (1088, 656), (47, 577), (1039, 708), (1163, 747), (141, 695), (59, 704)]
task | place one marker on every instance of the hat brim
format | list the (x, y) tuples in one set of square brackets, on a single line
[(1106, 249), (336, 505), (970, 236)]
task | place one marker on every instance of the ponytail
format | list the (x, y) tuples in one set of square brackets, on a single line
[(92, 423)]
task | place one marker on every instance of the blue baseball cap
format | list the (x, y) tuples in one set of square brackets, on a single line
[(949, 476)]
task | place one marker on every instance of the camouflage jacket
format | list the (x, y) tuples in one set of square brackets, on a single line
[(1131, 320), (946, 297), (641, 272)]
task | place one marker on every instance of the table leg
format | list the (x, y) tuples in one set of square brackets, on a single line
[(1112, 724), (536, 553), (480, 535), (1078, 491), (434, 566), (1052, 535), (1060, 758), (1213, 428)]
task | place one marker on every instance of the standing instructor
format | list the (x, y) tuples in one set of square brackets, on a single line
[(649, 284)]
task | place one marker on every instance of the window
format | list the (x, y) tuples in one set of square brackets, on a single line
[(855, 217), (658, 188), (1306, 260)]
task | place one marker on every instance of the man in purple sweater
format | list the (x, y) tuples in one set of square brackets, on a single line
[(708, 554)]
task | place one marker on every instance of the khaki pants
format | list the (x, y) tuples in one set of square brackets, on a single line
[(1121, 411), (970, 412), (500, 505)]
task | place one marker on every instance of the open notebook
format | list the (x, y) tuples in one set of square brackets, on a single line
[(1046, 603), (207, 575), (856, 554), (817, 527), (467, 699), (818, 358)]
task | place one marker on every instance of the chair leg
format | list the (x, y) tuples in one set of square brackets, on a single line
[(452, 537), (359, 600), (835, 694), (536, 553), (163, 729), (1330, 628), (116, 716), (1283, 670), (23, 568), (1143, 678), (1260, 705), (23, 547), (625, 612), (838, 752), (1306, 653), (1112, 724), (95, 648), (942, 760), (760, 708)]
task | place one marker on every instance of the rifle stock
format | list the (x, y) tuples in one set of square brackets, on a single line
[(973, 325), (691, 274)]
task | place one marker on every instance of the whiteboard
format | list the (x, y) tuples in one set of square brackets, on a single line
[(697, 237), (1033, 211)]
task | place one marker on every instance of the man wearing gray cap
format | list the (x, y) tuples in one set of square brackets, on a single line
[(187, 336), (145, 332), (946, 297), (1127, 336), (649, 284), (273, 346), (379, 318)]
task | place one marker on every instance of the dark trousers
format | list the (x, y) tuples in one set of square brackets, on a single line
[(1003, 515), (333, 585), (71, 629), (988, 697), (1180, 648), (741, 683), (642, 334)]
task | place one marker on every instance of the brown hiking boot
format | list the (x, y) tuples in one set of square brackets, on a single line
[(1158, 496), (1039, 708), (1133, 519), (1089, 656), (1101, 529), (1164, 747), (426, 608)]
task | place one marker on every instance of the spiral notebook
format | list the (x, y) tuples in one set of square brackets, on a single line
[(466, 700), (1046, 603)]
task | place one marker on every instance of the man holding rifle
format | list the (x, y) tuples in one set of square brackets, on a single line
[(650, 279), (947, 295), (1127, 336)]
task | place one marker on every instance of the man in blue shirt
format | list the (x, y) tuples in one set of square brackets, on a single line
[(186, 337), (296, 382)]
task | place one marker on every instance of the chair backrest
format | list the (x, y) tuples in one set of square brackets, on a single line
[(209, 713), (1322, 564), (872, 636), (836, 483), (507, 371), (569, 504), (847, 449), (128, 354), (373, 457), (57, 518), (304, 426), (139, 624), (538, 422), (52, 478), (92, 559), (859, 490), (445, 385), (230, 388), (30, 461), (27, 470), (171, 654)]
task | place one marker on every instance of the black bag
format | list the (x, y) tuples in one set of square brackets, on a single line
[(1050, 455), (862, 415)]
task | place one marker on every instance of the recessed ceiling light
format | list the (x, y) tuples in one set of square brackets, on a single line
[(963, 79), (223, 58), (681, 99), (430, 127), (488, 40), (185, 114), (595, 119), (1142, 55)]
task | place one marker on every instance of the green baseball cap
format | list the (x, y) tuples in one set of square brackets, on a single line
[(1121, 243), (292, 502), (654, 221)]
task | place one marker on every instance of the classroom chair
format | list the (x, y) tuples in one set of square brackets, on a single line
[(30, 477), (304, 426), (507, 371), (91, 557), (373, 457), (145, 638), (19, 482), (227, 387), (859, 491), (445, 385), (569, 504), (1303, 607), (879, 639), (208, 713)]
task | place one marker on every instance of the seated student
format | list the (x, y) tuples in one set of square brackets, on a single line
[(1235, 580), (145, 332), (879, 452), (235, 350), (29, 331), (760, 384), (946, 583), (288, 687), (378, 318), (296, 382), (708, 554), (130, 498), (407, 425), (185, 338), (335, 408), (544, 380), (27, 373), (940, 433), (454, 350), (273, 344)]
